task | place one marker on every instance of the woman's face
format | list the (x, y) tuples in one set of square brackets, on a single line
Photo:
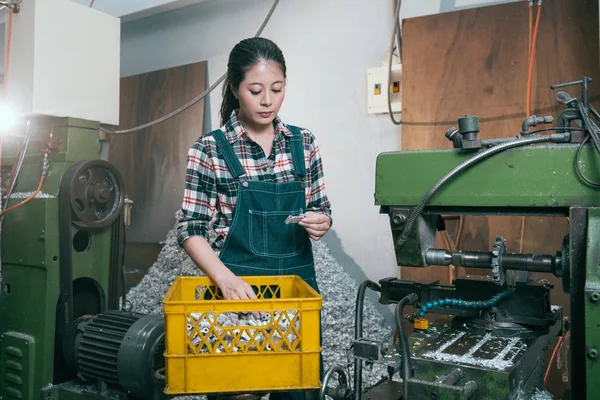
[(261, 93)]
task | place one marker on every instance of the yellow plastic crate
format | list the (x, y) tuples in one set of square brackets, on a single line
[(208, 350)]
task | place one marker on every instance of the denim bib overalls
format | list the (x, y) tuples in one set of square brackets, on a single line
[(259, 241)]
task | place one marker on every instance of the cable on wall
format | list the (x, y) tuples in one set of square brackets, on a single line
[(397, 31), (193, 101)]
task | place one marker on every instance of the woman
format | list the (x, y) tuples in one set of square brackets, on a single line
[(248, 177)]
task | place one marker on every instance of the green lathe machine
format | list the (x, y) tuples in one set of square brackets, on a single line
[(493, 333), (63, 333)]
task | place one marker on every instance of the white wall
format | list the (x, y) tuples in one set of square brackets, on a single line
[(328, 45)]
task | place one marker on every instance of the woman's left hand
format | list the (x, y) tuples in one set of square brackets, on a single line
[(316, 224)]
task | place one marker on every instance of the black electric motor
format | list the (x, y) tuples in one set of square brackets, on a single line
[(122, 349)]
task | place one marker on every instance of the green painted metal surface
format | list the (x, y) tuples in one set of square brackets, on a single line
[(30, 244), (492, 385), (592, 305), (532, 176), (485, 366), (17, 372)]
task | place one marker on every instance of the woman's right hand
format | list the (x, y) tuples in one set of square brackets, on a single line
[(234, 288)]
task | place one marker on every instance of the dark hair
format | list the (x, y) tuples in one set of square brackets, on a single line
[(244, 56)]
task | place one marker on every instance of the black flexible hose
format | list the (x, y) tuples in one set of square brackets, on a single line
[(579, 171), (358, 328), (555, 138), (592, 128), (405, 350), (342, 380)]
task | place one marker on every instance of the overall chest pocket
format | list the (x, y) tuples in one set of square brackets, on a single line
[(270, 236)]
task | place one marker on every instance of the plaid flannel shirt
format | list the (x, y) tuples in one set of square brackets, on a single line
[(210, 191)]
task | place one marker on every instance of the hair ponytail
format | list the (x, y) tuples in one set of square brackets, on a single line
[(229, 103), (244, 55)]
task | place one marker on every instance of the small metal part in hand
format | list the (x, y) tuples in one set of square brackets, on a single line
[(294, 219)]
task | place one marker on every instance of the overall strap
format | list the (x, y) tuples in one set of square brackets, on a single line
[(224, 147), (297, 144)]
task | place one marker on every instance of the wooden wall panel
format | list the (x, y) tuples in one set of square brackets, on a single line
[(476, 62), (153, 161)]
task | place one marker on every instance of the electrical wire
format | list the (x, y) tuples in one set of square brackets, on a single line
[(459, 231), (560, 341), (530, 28), (396, 29), (14, 168), (532, 44), (461, 227), (193, 101), (532, 56), (446, 239), (452, 246), (528, 100), (22, 150), (18, 164), (27, 200), (92, 3), (17, 169)]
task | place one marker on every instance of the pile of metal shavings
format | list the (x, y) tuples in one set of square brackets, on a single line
[(25, 195), (539, 395), (338, 288)]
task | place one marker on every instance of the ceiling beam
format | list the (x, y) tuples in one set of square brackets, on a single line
[(129, 10)]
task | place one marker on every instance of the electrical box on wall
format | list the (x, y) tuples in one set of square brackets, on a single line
[(378, 89)]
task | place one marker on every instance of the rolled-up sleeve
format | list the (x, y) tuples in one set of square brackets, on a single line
[(317, 195), (200, 195)]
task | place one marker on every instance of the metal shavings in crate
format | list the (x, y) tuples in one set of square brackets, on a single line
[(237, 332)]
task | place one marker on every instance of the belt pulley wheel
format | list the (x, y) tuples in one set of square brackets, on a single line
[(96, 191)]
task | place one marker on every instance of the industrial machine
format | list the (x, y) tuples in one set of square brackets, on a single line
[(64, 333), (65, 328), (492, 332)]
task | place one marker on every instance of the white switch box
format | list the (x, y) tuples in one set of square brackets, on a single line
[(378, 89)]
